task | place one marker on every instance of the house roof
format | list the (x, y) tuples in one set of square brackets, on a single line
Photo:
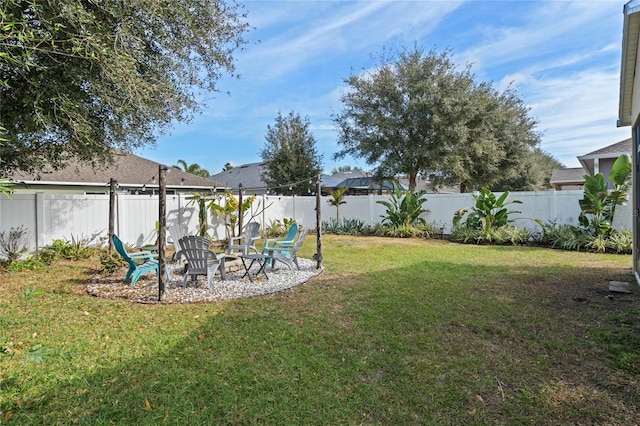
[(611, 151), (128, 169), (367, 183), (335, 180), (250, 175), (630, 33), (573, 175)]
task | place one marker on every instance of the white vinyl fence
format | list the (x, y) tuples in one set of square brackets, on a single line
[(54, 216)]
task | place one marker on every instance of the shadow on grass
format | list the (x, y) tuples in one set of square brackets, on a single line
[(429, 342)]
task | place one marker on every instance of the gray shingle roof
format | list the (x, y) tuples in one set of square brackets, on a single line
[(127, 169), (250, 175), (569, 175), (615, 149)]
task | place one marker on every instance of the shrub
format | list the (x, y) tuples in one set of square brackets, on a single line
[(424, 230), (110, 261), (343, 227), (503, 235), (13, 243), (569, 237), (29, 264), (489, 212), (278, 228), (74, 249), (404, 208)]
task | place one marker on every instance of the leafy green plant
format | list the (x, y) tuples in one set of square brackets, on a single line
[(30, 293), (337, 199), (226, 207), (577, 238), (36, 354), (30, 263), (278, 228), (489, 211), (404, 208), (507, 234), (343, 227), (73, 249), (110, 261), (598, 205)]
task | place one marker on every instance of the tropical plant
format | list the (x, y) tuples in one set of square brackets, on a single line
[(5, 187), (278, 228), (598, 206), (343, 227), (489, 211), (404, 208), (337, 198), (194, 168), (227, 208)]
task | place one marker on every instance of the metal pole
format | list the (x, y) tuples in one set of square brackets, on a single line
[(162, 225), (318, 255)]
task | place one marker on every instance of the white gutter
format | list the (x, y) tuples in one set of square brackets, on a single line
[(630, 32)]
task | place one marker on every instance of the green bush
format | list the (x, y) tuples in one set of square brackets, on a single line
[(343, 227), (29, 264), (404, 208), (278, 228), (73, 249), (503, 235), (489, 212), (110, 261), (569, 237), (423, 230)]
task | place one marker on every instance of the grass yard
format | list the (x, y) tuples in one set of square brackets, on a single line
[(393, 332)]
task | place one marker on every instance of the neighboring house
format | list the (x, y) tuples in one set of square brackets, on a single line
[(629, 107), (249, 175), (429, 188), (366, 185), (601, 160), (598, 161), (570, 178), (134, 174)]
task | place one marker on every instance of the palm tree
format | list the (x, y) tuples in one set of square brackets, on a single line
[(194, 168), (337, 198)]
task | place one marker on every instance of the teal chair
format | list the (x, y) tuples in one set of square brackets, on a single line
[(148, 260), (288, 240)]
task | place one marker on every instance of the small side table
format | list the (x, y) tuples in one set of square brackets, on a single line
[(257, 257)]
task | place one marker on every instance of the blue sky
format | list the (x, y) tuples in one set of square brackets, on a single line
[(563, 57)]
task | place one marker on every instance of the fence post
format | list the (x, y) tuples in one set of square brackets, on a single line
[(40, 215)]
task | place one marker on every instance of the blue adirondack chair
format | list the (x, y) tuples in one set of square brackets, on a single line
[(289, 239), (148, 260)]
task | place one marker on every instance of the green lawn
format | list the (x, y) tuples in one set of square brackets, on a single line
[(393, 332)]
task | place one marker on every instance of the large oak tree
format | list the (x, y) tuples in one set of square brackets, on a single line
[(418, 114), (79, 78)]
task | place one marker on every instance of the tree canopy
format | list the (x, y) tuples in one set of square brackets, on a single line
[(418, 114), (290, 156), (80, 78)]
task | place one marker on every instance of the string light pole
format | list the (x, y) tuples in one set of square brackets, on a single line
[(240, 212), (318, 255), (162, 226), (112, 211)]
